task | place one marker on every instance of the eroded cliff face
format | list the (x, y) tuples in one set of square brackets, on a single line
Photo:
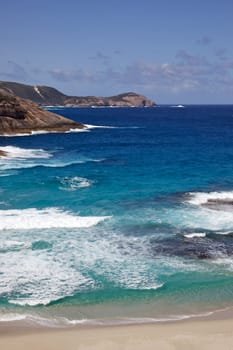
[(19, 116)]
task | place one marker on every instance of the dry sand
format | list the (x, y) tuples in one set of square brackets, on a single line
[(201, 334)]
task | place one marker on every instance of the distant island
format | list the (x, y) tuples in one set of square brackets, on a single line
[(49, 96)]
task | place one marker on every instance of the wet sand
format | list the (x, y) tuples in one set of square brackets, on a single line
[(194, 334)]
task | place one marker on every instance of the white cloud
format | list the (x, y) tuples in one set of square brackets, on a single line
[(185, 73)]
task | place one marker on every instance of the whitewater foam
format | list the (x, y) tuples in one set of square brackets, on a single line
[(32, 218), (195, 235), (89, 126), (17, 158), (40, 277), (34, 319), (33, 302), (224, 233), (22, 158), (41, 132), (7, 245), (151, 287), (224, 261), (12, 152), (76, 130), (200, 198), (178, 106), (74, 183), (10, 317), (63, 322)]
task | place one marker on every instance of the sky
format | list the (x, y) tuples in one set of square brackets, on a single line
[(172, 51)]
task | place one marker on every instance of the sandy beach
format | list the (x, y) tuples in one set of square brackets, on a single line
[(201, 334)]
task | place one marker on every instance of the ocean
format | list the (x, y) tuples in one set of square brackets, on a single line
[(130, 221)]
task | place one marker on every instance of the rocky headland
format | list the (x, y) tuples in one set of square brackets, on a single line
[(21, 116), (48, 96)]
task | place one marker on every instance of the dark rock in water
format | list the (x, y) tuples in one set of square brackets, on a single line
[(41, 245), (2, 154), (20, 116), (197, 247), (219, 204), (220, 201)]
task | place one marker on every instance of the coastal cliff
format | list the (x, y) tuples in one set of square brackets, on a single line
[(20, 116), (48, 96)]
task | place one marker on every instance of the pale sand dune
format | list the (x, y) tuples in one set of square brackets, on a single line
[(205, 334)]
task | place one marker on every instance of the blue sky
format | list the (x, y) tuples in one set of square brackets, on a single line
[(173, 51)]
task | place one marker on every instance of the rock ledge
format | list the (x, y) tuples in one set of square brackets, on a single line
[(20, 116)]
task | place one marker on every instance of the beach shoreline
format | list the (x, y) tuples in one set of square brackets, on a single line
[(209, 333)]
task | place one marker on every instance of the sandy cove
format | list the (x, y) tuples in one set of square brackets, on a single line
[(185, 335)]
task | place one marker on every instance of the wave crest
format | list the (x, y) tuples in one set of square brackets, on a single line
[(195, 235), (45, 218), (12, 152), (205, 198)]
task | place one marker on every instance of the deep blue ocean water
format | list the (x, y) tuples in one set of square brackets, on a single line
[(132, 219)]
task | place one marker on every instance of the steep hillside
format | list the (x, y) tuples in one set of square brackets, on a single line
[(40, 94), (49, 96)]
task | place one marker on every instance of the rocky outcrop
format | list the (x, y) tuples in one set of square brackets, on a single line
[(20, 116), (2, 154), (219, 204), (40, 94), (49, 96)]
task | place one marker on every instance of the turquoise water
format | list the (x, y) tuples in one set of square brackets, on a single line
[(131, 219)]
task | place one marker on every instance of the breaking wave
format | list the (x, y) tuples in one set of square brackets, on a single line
[(195, 235), (202, 198), (12, 152), (45, 218), (22, 158)]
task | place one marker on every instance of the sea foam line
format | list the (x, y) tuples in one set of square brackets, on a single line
[(89, 127), (59, 322), (40, 132), (63, 322), (32, 218)]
